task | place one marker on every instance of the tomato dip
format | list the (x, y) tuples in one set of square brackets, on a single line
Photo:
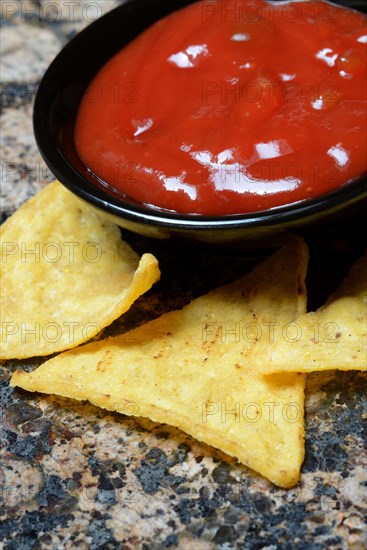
[(228, 107)]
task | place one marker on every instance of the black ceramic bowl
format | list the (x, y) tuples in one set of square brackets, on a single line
[(55, 109)]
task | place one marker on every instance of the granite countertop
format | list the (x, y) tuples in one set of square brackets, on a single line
[(73, 475)]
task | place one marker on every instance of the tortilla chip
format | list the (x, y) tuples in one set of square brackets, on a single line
[(191, 369), (65, 275), (333, 337)]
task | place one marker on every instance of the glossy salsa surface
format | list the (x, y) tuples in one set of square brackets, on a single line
[(230, 107)]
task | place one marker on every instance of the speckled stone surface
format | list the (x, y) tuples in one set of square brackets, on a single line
[(73, 476)]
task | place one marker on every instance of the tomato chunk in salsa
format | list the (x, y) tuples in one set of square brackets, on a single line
[(229, 107)]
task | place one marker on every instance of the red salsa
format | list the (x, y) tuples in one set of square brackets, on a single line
[(229, 107)]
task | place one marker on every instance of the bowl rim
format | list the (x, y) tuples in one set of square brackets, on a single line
[(349, 192), (70, 177)]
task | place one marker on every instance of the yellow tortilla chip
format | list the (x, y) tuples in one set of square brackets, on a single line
[(333, 337), (192, 369), (65, 275)]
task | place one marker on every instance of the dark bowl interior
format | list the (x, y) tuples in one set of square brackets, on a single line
[(55, 109)]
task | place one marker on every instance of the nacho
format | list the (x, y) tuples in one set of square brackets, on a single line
[(333, 337), (192, 369), (65, 275)]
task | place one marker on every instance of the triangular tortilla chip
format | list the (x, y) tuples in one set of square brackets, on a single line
[(191, 369), (65, 275), (333, 337)]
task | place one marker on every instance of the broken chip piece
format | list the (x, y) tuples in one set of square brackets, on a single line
[(192, 369), (333, 337), (65, 275)]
